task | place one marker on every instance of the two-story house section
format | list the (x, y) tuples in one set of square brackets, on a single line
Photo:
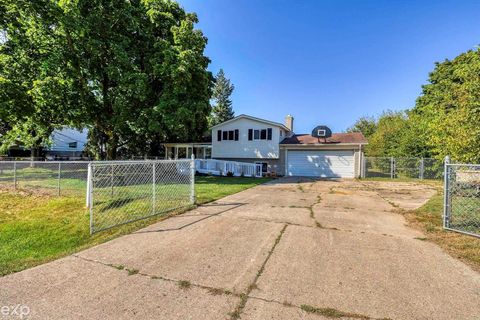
[(249, 139)]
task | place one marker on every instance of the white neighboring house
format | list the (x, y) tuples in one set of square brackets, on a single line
[(279, 150), (67, 142)]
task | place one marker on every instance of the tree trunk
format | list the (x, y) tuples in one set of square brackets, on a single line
[(112, 145)]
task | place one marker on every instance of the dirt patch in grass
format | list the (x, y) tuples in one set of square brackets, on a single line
[(428, 219)]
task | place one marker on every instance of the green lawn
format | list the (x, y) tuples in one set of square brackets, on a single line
[(429, 219), (38, 227)]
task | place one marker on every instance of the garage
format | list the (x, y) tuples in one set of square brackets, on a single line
[(325, 163)]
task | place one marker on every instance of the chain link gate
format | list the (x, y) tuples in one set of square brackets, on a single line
[(402, 167), (125, 191), (462, 198)]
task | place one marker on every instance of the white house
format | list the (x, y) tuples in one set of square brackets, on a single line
[(67, 142), (279, 150)]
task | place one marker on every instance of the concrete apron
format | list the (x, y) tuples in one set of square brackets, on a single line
[(333, 247)]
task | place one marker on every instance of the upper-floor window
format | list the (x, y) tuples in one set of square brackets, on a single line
[(227, 135), (260, 134), (72, 145)]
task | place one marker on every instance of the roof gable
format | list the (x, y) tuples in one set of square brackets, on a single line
[(244, 116)]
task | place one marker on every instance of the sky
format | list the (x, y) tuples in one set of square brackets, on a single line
[(331, 62)]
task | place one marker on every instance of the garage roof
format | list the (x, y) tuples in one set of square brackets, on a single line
[(336, 138)]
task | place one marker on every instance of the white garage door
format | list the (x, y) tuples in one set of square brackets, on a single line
[(328, 164)]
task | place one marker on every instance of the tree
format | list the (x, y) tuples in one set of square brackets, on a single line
[(447, 113), (132, 72), (32, 78), (386, 139), (141, 68), (222, 108), (366, 125)]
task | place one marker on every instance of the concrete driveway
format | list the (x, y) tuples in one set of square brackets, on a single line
[(276, 251)]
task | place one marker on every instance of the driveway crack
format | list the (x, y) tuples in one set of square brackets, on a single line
[(235, 314)]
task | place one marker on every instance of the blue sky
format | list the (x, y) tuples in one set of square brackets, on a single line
[(330, 62)]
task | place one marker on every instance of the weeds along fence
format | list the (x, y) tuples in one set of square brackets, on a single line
[(462, 198), (395, 168), (52, 177), (126, 191)]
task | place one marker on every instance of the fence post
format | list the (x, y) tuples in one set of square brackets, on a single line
[(15, 175), (154, 191), (422, 168), (392, 168), (364, 166), (90, 195), (59, 175), (192, 179), (112, 180), (89, 186), (446, 198)]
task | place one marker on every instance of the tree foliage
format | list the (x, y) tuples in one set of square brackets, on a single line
[(33, 86), (222, 107), (445, 120), (366, 125), (133, 72), (448, 111)]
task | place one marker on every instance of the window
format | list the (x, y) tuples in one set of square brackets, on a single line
[(263, 134), (281, 133), (72, 145), (321, 132), (228, 135), (260, 134)]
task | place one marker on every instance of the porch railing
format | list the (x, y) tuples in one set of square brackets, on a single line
[(223, 168)]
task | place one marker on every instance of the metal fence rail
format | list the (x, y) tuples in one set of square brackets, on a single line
[(462, 198), (53, 177), (126, 191), (403, 167)]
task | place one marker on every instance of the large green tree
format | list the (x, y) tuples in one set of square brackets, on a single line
[(133, 72), (222, 104), (142, 66), (447, 114), (33, 83)]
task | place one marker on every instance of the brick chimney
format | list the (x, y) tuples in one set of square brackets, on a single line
[(289, 122)]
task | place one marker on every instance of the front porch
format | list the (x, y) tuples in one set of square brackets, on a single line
[(185, 150)]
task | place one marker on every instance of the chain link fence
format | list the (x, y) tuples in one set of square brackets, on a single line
[(462, 198), (52, 177), (395, 168), (126, 191)]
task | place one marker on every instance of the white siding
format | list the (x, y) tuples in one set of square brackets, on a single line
[(267, 149), (328, 164), (62, 138)]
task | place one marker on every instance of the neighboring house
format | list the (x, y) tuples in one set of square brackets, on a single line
[(279, 150), (67, 142)]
